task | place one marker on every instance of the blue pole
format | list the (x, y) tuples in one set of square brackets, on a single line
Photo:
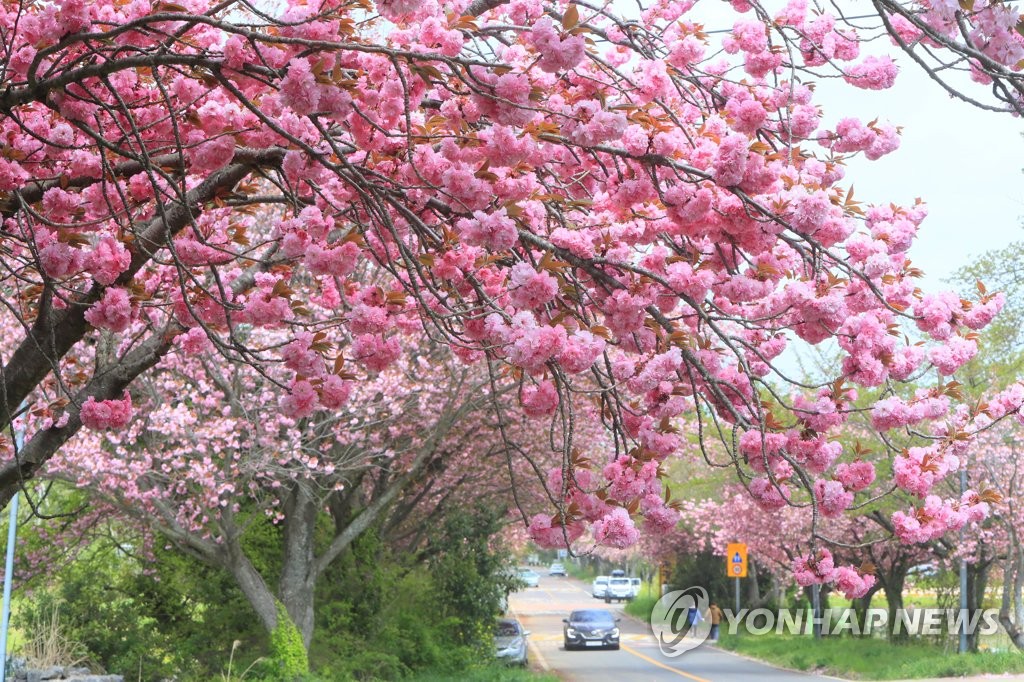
[(12, 534)]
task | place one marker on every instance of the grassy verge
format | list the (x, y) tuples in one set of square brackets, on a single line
[(867, 658), (584, 573), (643, 604), (496, 673)]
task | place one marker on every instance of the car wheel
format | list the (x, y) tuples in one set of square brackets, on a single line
[(614, 647), (568, 647)]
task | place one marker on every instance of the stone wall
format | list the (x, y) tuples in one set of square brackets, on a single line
[(21, 673)]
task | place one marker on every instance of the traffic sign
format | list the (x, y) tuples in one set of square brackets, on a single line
[(736, 560)]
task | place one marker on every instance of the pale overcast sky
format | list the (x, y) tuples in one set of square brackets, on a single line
[(966, 164)]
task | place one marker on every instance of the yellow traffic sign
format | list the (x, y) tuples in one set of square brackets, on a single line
[(736, 560)]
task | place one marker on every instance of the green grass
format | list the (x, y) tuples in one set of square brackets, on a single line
[(584, 573), (868, 658), (643, 604), (495, 673)]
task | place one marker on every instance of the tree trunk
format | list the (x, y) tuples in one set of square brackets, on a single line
[(1011, 611), (893, 586), (861, 606), (753, 589), (977, 578), (297, 582), (253, 587)]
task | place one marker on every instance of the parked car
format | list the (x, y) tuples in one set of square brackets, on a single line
[(619, 589), (923, 571), (530, 577), (591, 628), (636, 584), (600, 586), (510, 641), (557, 569)]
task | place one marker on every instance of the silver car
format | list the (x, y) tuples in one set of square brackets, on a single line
[(529, 577), (600, 587), (510, 641)]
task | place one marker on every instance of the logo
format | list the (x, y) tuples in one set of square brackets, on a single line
[(679, 621)]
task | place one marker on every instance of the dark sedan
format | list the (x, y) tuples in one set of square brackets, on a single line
[(591, 628)]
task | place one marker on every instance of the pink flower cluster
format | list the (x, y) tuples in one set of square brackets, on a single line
[(832, 497), (937, 517), (851, 136), (894, 412), (628, 479), (821, 569), (376, 352), (616, 529), (769, 496), (918, 469), (550, 535), (851, 582), (540, 400), (529, 288), (856, 476), (874, 73), (106, 414), (493, 230), (814, 570), (113, 311), (556, 53)]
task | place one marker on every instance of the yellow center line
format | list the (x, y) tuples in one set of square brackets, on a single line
[(669, 668)]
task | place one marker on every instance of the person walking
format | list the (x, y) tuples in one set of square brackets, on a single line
[(715, 616), (693, 616)]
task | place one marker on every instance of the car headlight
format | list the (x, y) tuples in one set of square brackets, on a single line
[(571, 632), (615, 632)]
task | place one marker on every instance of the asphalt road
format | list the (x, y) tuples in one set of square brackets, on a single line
[(541, 610)]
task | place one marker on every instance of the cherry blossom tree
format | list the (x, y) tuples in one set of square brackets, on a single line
[(624, 217), (213, 453)]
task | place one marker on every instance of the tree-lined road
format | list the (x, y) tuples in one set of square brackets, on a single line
[(541, 610)]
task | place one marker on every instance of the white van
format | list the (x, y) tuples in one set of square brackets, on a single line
[(619, 589)]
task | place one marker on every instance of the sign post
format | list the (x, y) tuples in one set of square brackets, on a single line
[(736, 565)]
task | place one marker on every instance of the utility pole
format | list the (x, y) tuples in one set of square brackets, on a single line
[(816, 610), (12, 536), (963, 571)]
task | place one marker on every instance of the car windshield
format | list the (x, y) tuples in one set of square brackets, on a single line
[(505, 629), (601, 580), (620, 581), (591, 617)]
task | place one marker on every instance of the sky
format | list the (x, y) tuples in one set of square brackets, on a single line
[(966, 164)]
